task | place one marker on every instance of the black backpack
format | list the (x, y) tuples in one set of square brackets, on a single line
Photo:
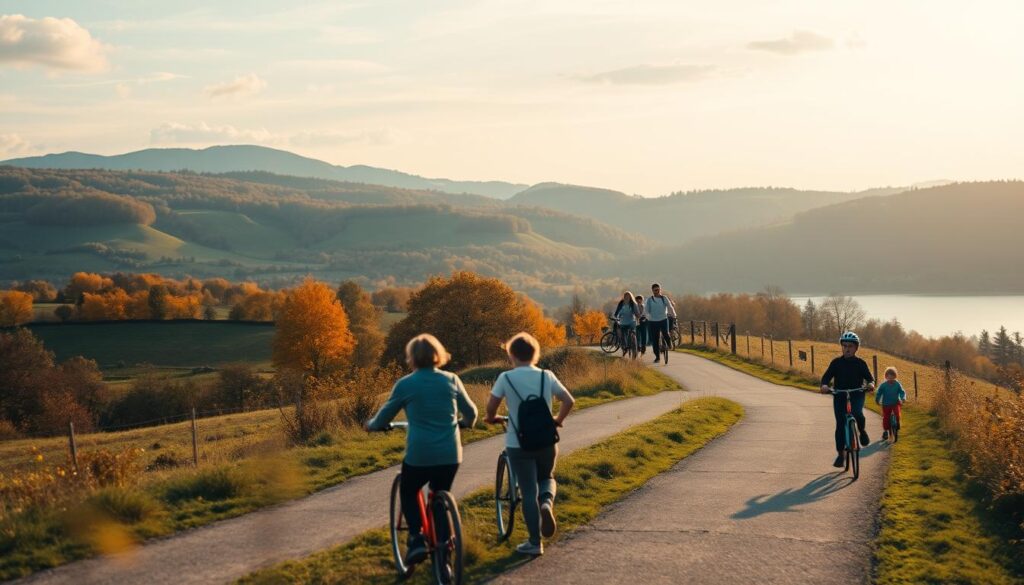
[(536, 429)]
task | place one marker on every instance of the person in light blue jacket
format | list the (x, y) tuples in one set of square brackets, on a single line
[(659, 309), (628, 314), (433, 400)]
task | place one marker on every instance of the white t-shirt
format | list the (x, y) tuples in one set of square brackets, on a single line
[(526, 380)]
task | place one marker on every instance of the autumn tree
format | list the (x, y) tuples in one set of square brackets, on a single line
[(470, 314), (15, 308), (364, 322), (392, 299), (589, 325), (41, 290), (40, 397), (312, 334), (257, 306), (83, 282), (547, 331)]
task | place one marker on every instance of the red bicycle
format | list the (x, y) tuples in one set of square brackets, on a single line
[(442, 530)]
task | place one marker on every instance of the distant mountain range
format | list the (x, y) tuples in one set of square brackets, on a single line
[(224, 159)]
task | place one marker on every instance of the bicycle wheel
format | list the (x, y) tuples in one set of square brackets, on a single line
[(854, 448), (505, 500), (609, 343), (894, 427), (664, 349), (399, 546), (676, 339), (632, 345), (447, 553)]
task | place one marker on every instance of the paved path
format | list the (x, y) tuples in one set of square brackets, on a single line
[(761, 504), (230, 549)]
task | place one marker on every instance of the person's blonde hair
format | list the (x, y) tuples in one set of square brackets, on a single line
[(892, 369), (425, 351), (523, 347)]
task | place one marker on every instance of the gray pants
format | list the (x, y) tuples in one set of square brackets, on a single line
[(535, 473)]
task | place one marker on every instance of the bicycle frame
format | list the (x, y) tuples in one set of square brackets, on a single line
[(849, 412)]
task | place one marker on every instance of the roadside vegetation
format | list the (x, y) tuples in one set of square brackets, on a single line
[(589, 480), (953, 507), (247, 461)]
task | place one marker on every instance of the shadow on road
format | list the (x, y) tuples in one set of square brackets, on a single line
[(787, 499)]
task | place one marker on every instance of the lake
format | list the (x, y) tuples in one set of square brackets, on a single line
[(943, 315)]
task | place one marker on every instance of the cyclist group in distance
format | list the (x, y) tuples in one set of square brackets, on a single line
[(651, 320)]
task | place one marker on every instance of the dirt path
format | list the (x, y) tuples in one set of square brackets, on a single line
[(761, 504), (230, 549)]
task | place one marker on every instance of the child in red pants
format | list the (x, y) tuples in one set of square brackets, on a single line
[(890, 395)]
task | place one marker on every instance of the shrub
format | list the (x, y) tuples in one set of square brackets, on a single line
[(215, 484), (125, 505), (362, 393)]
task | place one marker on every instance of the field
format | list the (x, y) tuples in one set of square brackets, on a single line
[(182, 344), (928, 377), (236, 454)]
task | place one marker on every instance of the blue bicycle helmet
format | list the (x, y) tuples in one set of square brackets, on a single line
[(851, 337)]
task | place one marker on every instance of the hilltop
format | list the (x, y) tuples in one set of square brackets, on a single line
[(232, 158)]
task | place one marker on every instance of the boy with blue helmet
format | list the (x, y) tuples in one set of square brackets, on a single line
[(848, 371)]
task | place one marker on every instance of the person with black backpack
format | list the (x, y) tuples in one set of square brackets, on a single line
[(532, 436)]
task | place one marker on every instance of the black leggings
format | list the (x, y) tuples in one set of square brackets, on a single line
[(414, 477)]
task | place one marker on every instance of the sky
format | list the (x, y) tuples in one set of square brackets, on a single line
[(646, 97)]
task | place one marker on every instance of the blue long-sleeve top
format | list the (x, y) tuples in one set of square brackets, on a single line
[(890, 393), (433, 400)]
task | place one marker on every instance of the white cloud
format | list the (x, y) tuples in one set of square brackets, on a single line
[(52, 43), (800, 41), (651, 75), (158, 77), (176, 133), (241, 86), (12, 144)]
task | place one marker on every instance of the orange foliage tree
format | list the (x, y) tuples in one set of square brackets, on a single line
[(15, 307), (589, 325), (312, 334), (104, 307), (472, 315), (547, 331)]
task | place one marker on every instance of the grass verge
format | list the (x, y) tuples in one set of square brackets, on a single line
[(935, 527), (589, 480), (245, 467)]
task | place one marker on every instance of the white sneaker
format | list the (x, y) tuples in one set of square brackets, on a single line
[(547, 520), (528, 548)]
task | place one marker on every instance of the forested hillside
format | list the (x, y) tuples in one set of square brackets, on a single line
[(56, 222), (684, 216), (959, 238)]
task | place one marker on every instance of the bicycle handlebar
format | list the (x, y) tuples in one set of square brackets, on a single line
[(850, 390), (405, 425)]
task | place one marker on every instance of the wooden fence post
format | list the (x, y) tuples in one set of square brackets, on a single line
[(790, 352), (915, 385), (718, 336), (72, 444), (693, 333), (762, 346), (812, 359), (705, 330), (874, 366), (748, 344), (949, 376), (771, 340), (195, 440), (732, 338)]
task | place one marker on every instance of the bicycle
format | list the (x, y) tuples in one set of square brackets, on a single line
[(894, 427), (443, 511), (673, 332), (611, 341), (507, 496), (631, 347), (852, 434)]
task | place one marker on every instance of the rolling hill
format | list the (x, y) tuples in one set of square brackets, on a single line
[(958, 238), (272, 230), (683, 216), (224, 159)]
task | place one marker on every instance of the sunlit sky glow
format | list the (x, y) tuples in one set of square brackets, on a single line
[(644, 97)]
